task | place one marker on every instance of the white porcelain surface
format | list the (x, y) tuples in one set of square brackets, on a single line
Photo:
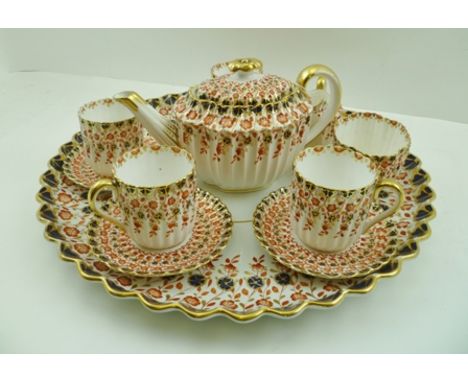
[(339, 172), (154, 169), (386, 141), (113, 112), (372, 137)]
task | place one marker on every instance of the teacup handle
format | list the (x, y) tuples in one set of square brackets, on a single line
[(94, 191), (386, 183)]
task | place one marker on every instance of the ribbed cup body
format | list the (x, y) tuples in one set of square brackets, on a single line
[(325, 219), (104, 142), (158, 217)]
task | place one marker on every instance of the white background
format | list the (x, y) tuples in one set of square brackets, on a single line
[(47, 307), (417, 72)]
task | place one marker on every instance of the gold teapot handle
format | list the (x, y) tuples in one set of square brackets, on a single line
[(325, 78), (239, 64)]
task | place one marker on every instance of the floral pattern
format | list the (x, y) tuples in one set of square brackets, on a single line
[(77, 169), (104, 142), (221, 103), (284, 292), (233, 146), (211, 233)]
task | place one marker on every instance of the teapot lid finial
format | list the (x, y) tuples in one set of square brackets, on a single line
[(245, 65)]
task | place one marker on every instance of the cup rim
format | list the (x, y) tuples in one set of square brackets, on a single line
[(338, 149), (155, 148), (101, 102), (349, 116)]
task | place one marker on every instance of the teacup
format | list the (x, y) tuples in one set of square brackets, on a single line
[(385, 140), (108, 130), (155, 188), (332, 193)]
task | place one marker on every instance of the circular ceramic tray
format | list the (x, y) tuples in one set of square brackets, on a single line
[(245, 282)]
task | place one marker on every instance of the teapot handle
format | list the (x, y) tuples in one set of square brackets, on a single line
[(325, 76), (239, 64)]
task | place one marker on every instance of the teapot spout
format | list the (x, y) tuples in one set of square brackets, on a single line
[(158, 126)]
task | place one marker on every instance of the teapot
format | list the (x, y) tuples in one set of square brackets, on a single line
[(242, 127)]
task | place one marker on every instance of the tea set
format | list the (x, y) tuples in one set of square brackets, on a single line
[(144, 164)]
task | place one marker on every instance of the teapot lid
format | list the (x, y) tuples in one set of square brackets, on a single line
[(244, 90), (243, 86)]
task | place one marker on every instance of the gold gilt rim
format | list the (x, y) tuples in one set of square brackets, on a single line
[(375, 277), (223, 213), (260, 210), (154, 148), (388, 122), (339, 150)]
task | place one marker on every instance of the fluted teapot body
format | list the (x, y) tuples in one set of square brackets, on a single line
[(242, 127)]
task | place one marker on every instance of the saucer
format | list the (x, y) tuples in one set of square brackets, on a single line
[(272, 225), (211, 233), (75, 166)]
